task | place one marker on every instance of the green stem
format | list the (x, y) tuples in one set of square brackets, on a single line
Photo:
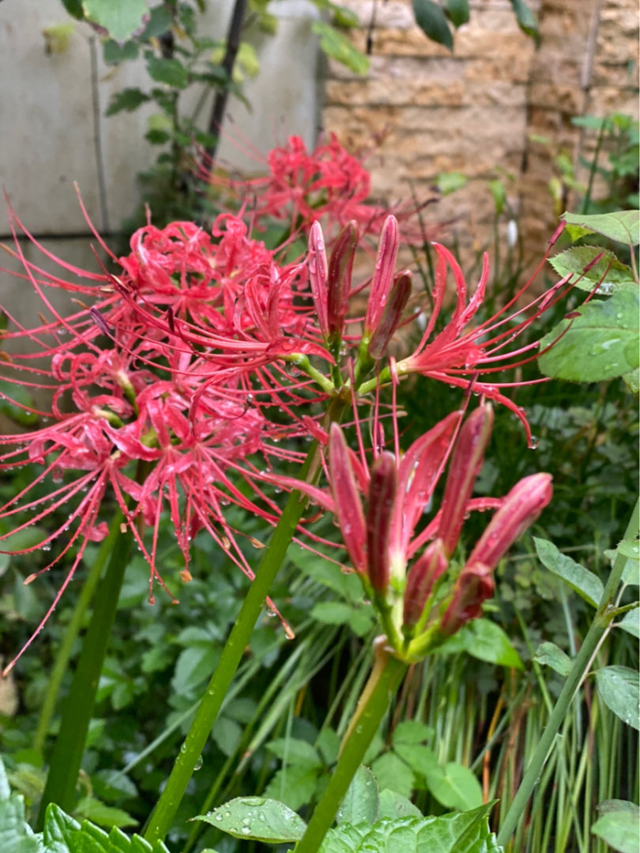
[(382, 686), (579, 670), (78, 707), (162, 817), (70, 636)]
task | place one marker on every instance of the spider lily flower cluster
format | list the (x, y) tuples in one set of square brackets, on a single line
[(174, 382)]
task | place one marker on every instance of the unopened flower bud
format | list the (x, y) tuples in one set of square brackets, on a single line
[(383, 274), (347, 500), (463, 472), (421, 581), (382, 492), (339, 278), (521, 507), (318, 274), (473, 586), (391, 316)]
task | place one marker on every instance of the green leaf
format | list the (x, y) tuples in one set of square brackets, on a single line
[(619, 688), (114, 52), (457, 11), (622, 226), (15, 835), (600, 343), (120, 18), (449, 182), (526, 19), (58, 826), (457, 833), (608, 270), (499, 194), (630, 623), (619, 825), (551, 655), (226, 733), (394, 805), (171, 72), (412, 731), (338, 47), (294, 751), (581, 580), (127, 99), (393, 774), (103, 815), (160, 21), (433, 23), (632, 380), (295, 786), (360, 803), (5, 790), (257, 818), (194, 666), (486, 641), (74, 8), (454, 786), (328, 745)]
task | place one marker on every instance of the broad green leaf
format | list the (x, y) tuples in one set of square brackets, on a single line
[(120, 18), (432, 21), (412, 731), (257, 818), (15, 835), (5, 790), (360, 803), (294, 751), (457, 11), (486, 641), (295, 785), (600, 342), (332, 612), (338, 47), (394, 805), (623, 226), (526, 19), (171, 72), (619, 687), (74, 8), (551, 655), (632, 380), (114, 53), (630, 623), (608, 271), (499, 194), (581, 580), (457, 833), (160, 21), (227, 734), (102, 814), (449, 182), (194, 666), (127, 99), (328, 745), (629, 548), (393, 774), (619, 825)]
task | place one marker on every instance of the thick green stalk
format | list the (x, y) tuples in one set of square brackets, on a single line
[(162, 817), (382, 686), (71, 634), (601, 621), (78, 707)]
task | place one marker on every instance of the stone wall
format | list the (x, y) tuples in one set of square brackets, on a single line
[(425, 111)]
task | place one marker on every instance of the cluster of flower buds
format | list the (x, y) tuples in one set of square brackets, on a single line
[(421, 606)]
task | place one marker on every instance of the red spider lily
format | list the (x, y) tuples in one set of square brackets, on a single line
[(463, 357)]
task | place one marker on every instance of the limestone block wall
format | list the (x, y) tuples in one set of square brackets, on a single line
[(424, 111)]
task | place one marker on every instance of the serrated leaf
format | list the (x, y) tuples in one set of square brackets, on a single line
[(433, 23), (619, 825), (338, 47), (114, 52), (412, 731), (171, 72), (294, 751), (393, 774), (295, 786), (457, 11), (485, 640), (120, 18), (15, 835), (611, 273), (360, 803), (551, 655), (600, 343), (622, 226), (526, 19), (619, 687), (581, 580), (394, 805), (102, 814), (127, 99), (257, 818), (630, 623)]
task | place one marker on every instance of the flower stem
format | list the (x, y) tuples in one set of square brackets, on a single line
[(600, 624), (71, 634), (374, 702), (165, 810), (78, 707)]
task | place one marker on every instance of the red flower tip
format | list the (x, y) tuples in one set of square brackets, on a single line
[(382, 492), (391, 315), (348, 507), (420, 583), (383, 274), (339, 278), (465, 467), (318, 273), (521, 507), (473, 586)]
